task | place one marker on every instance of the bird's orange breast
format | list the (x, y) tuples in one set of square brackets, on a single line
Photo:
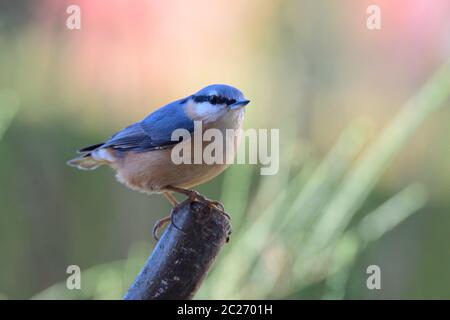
[(153, 171)]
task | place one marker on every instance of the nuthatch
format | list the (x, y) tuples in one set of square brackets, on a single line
[(141, 153)]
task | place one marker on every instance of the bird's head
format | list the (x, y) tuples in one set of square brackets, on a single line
[(216, 101)]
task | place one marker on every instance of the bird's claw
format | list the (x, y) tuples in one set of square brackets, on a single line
[(160, 223), (212, 204), (192, 196)]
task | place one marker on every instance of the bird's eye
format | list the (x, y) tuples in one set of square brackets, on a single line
[(213, 99), (230, 102)]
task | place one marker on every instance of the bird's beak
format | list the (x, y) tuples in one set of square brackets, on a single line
[(239, 104)]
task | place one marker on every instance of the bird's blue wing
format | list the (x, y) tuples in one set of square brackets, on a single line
[(154, 132)]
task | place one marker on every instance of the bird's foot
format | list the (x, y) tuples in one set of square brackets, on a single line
[(160, 223), (192, 197), (212, 204), (195, 196)]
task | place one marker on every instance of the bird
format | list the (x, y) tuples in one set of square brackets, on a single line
[(141, 153)]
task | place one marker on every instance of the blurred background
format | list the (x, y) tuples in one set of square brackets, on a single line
[(364, 129)]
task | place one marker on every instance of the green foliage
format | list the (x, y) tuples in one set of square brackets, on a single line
[(9, 105)]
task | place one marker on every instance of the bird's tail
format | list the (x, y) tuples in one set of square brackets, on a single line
[(85, 162), (91, 158)]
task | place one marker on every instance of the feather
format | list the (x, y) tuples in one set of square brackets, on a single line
[(84, 163), (154, 132), (90, 148)]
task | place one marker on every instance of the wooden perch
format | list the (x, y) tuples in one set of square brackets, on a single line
[(182, 258)]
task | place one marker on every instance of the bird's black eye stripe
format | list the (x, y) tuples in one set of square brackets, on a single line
[(214, 99), (199, 99)]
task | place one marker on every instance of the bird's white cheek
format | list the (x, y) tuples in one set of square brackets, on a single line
[(207, 112)]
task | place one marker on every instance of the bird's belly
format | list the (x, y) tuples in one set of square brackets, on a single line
[(153, 171)]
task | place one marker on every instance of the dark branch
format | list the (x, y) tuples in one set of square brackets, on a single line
[(181, 259)]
